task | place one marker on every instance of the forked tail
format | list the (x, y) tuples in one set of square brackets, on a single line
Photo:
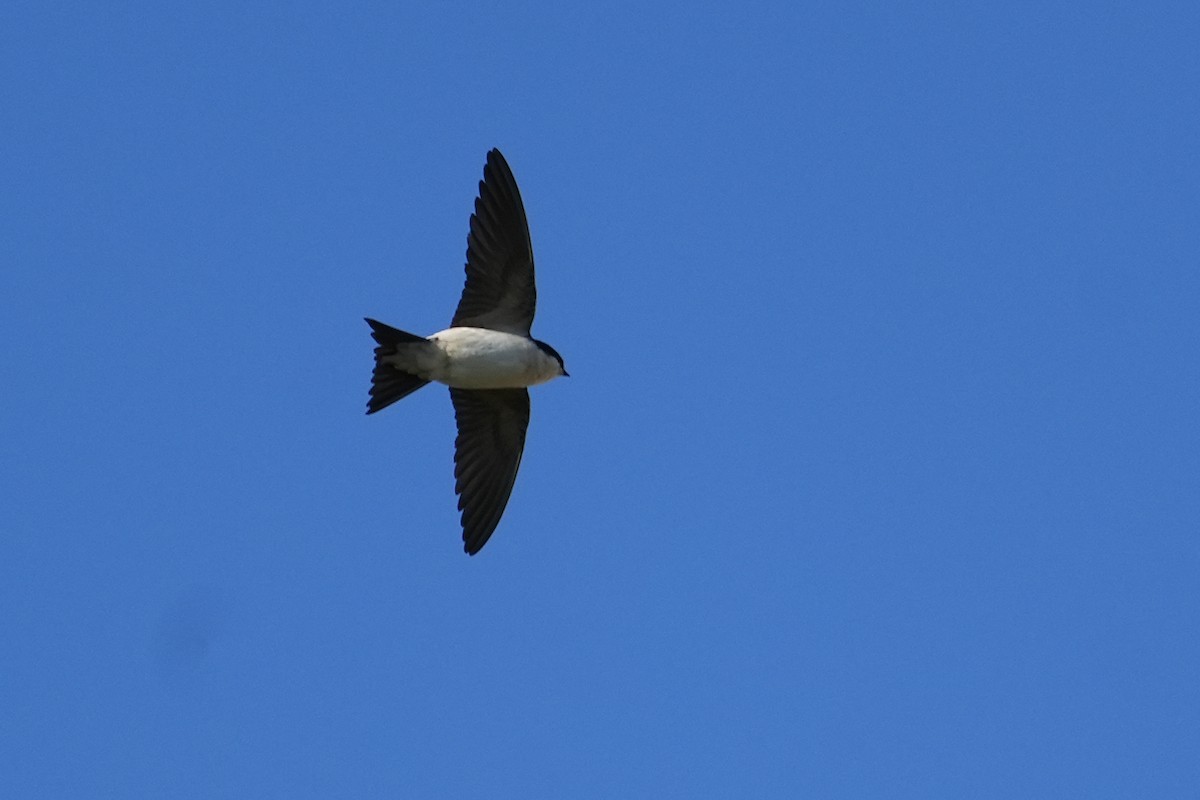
[(389, 384)]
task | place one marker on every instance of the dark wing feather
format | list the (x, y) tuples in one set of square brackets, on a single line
[(499, 292), (487, 453)]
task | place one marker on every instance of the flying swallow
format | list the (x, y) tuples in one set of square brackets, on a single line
[(487, 356)]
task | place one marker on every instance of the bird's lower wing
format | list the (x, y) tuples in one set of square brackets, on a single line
[(487, 454)]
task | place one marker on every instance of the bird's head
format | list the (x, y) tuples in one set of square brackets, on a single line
[(550, 351)]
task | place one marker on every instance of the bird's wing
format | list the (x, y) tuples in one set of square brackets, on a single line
[(499, 293), (487, 453)]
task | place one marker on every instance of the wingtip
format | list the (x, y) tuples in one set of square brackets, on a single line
[(497, 160), (473, 542)]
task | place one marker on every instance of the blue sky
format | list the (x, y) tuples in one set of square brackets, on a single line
[(877, 473)]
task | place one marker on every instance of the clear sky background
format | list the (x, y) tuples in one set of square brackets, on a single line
[(878, 473)]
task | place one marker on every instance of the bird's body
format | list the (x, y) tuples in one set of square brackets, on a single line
[(487, 356), (477, 358)]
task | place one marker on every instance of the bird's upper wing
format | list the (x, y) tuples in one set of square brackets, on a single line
[(499, 293), (487, 453)]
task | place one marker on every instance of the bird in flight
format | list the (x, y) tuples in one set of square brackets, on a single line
[(486, 356)]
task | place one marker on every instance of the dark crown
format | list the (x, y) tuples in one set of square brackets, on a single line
[(547, 349)]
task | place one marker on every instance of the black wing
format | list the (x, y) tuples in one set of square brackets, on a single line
[(487, 453), (499, 293)]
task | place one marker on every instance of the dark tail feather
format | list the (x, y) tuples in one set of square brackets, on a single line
[(389, 384)]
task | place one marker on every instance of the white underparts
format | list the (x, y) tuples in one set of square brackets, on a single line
[(477, 358)]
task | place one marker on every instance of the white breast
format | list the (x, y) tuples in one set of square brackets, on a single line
[(477, 358)]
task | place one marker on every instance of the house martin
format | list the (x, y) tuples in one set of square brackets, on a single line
[(486, 356)]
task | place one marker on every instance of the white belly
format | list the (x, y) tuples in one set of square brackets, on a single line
[(477, 358)]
